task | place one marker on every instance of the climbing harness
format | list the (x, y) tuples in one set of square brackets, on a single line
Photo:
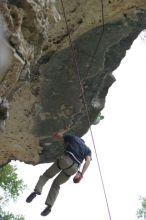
[(82, 90), (73, 162)]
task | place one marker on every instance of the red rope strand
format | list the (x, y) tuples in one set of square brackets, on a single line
[(84, 100)]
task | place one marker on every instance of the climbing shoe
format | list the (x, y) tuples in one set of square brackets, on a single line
[(46, 211), (31, 197)]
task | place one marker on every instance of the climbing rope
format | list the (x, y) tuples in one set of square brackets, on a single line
[(98, 42), (82, 91)]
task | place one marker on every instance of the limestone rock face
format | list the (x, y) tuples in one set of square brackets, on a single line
[(38, 74)]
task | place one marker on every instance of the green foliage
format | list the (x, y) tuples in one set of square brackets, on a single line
[(10, 183), (98, 119), (11, 187), (10, 216), (141, 213)]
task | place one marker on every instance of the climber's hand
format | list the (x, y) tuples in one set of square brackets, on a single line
[(57, 135), (77, 178)]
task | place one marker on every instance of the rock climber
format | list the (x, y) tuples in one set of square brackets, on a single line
[(65, 166)]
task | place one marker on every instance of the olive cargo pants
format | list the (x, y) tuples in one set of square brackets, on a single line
[(66, 167)]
